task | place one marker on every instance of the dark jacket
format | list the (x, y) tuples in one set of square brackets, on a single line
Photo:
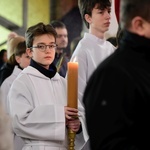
[(117, 98), (5, 72)]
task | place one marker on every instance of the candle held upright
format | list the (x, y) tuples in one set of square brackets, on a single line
[(72, 89), (72, 84)]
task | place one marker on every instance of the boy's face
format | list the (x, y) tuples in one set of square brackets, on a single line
[(43, 57), (99, 21), (23, 60)]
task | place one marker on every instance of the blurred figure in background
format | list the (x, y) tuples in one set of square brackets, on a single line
[(3, 57), (61, 58), (73, 21), (22, 61), (8, 67)]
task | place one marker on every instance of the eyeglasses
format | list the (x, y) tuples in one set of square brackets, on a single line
[(43, 47)]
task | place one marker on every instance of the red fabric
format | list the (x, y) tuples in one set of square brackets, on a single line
[(117, 7)]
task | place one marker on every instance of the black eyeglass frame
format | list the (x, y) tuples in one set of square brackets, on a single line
[(43, 47)]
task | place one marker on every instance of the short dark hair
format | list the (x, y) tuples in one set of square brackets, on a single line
[(20, 49), (36, 30), (58, 24), (86, 7), (132, 8)]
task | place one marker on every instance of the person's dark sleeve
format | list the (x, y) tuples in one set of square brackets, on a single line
[(108, 101)]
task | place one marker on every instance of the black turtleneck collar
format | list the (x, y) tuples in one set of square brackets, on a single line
[(20, 67), (50, 73)]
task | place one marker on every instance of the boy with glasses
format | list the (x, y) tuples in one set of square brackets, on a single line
[(38, 97)]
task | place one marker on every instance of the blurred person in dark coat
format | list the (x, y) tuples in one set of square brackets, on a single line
[(61, 57)]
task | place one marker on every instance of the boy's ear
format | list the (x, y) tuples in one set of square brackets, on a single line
[(138, 25), (17, 59), (87, 18), (29, 52)]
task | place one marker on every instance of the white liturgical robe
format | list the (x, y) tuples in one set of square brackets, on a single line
[(36, 105)]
